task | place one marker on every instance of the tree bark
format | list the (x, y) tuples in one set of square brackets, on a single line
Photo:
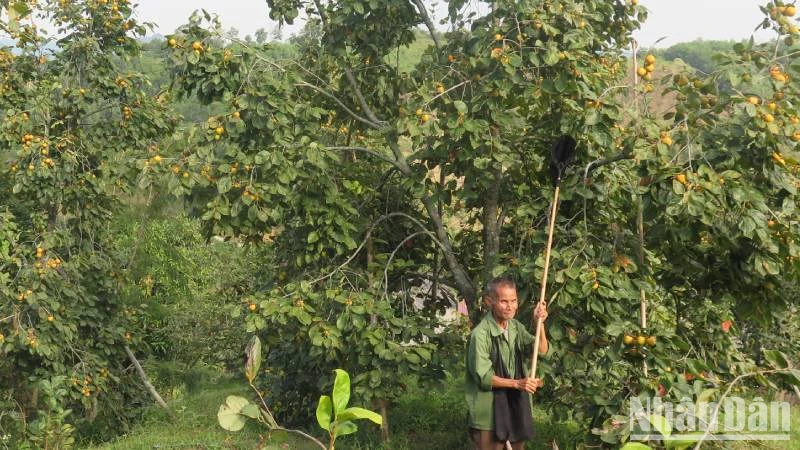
[(385, 417), (462, 280), (642, 296), (428, 23), (491, 226), (373, 319), (147, 384)]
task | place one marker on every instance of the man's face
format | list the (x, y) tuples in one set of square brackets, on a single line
[(505, 306)]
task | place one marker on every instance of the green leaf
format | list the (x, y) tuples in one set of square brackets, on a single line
[(635, 446), (792, 377), (706, 395), (341, 391), (229, 416), (776, 359), (253, 364), (250, 410), (13, 23), (356, 413), (592, 117), (344, 428), (551, 57), (481, 163), (460, 106), (324, 412), (224, 185), (660, 424), (680, 444)]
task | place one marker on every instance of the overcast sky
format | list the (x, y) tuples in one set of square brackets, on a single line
[(677, 20)]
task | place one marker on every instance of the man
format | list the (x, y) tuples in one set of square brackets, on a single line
[(498, 388)]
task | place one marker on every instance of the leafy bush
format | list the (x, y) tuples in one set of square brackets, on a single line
[(185, 283)]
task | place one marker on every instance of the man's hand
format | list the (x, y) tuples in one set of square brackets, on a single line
[(540, 313), (529, 384)]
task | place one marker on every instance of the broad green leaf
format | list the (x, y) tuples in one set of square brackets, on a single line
[(341, 391), (324, 412), (356, 413), (13, 23), (235, 402), (460, 106), (481, 163), (251, 410), (776, 358), (344, 428), (229, 416), (592, 117), (551, 57), (224, 185), (678, 443), (792, 377), (635, 446), (660, 424)]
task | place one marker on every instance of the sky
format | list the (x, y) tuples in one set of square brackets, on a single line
[(674, 20)]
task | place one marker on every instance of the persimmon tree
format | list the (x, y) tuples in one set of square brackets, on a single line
[(373, 182), (74, 127)]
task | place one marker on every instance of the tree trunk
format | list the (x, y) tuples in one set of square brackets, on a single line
[(385, 417), (491, 226), (462, 280), (373, 319)]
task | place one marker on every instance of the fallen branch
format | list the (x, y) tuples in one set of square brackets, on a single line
[(147, 384)]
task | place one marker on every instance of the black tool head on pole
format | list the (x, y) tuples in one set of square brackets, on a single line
[(561, 155)]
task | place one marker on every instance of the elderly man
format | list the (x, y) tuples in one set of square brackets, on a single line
[(498, 387)]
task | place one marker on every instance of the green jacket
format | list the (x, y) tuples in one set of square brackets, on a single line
[(480, 400)]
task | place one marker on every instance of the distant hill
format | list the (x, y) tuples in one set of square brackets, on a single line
[(698, 53)]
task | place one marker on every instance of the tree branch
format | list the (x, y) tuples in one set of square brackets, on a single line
[(369, 233), (349, 73), (715, 414), (147, 384), (307, 436), (465, 286), (371, 123), (367, 151), (455, 86), (391, 257), (428, 23), (624, 154)]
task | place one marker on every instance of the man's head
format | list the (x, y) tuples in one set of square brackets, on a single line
[(501, 297)]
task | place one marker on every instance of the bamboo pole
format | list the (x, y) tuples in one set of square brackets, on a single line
[(543, 291)]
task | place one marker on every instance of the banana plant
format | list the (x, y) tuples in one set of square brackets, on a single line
[(333, 414), (335, 417)]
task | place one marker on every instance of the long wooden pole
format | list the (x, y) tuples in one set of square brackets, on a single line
[(543, 291)]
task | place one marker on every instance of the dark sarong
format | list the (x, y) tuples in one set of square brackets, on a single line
[(513, 420)]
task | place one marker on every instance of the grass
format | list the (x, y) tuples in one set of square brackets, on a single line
[(420, 420), (195, 426), (434, 419)]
